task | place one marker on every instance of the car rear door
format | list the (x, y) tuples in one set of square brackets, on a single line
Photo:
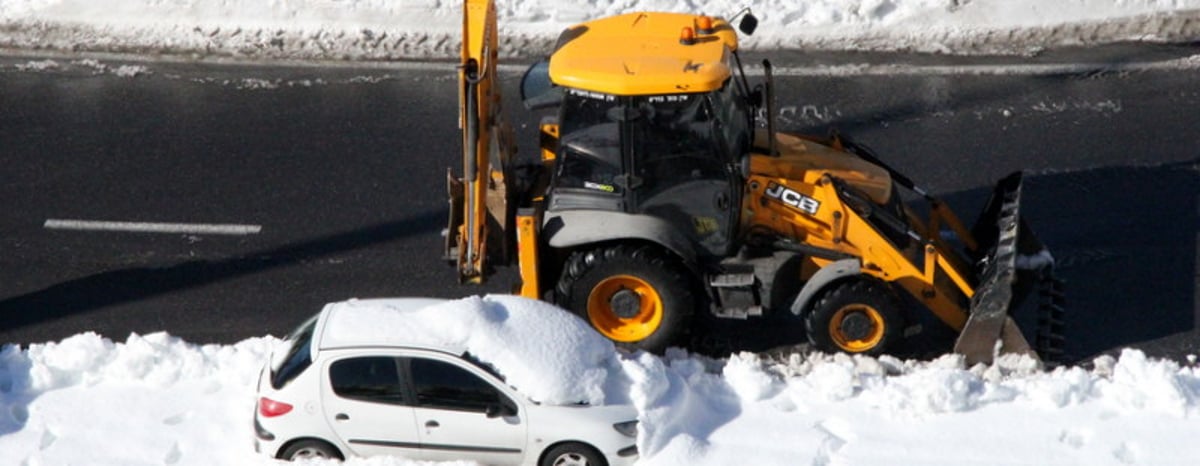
[(367, 405), (453, 400)]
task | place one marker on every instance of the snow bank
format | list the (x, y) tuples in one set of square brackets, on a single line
[(389, 30), (857, 410), (155, 399)]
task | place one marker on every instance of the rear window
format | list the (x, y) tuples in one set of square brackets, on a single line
[(298, 356)]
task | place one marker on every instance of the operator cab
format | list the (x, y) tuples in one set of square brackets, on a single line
[(631, 142), (667, 156)]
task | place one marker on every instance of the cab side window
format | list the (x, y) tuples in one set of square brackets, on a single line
[(590, 155), (442, 385), (372, 379), (733, 127)]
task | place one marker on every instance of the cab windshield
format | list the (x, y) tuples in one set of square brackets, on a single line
[(598, 130)]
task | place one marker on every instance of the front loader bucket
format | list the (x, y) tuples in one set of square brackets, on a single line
[(1013, 262)]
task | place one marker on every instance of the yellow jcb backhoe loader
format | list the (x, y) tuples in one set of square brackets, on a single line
[(662, 189)]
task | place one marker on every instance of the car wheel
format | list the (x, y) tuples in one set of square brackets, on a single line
[(572, 454), (308, 449)]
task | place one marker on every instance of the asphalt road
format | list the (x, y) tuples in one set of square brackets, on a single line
[(342, 171)]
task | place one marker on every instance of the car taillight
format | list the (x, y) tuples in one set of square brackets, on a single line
[(271, 408)]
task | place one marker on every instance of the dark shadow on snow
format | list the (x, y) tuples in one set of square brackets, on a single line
[(14, 383)]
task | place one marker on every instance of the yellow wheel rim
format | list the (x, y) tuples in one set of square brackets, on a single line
[(856, 328), (625, 308)]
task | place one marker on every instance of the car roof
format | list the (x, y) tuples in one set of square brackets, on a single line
[(342, 324)]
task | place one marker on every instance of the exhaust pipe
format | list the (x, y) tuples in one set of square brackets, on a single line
[(770, 106)]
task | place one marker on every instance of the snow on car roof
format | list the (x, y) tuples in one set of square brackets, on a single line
[(546, 353), (344, 329)]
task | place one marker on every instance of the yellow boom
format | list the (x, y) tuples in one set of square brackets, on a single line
[(479, 199)]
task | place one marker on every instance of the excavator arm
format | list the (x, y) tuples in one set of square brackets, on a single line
[(480, 219)]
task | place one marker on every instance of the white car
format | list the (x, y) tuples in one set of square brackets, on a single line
[(344, 384)]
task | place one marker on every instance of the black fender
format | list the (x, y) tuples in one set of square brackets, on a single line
[(833, 272), (567, 229)]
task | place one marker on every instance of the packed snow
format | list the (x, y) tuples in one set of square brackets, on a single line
[(393, 29), (155, 399)]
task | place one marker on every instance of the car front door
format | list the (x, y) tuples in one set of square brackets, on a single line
[(462, 416), (366, 403)]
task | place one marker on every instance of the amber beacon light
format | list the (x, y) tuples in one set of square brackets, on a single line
[(687, 36)]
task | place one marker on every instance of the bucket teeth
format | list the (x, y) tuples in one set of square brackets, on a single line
[(1003, 238), (1051, 341)]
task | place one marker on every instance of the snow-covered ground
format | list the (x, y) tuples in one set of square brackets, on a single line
[(397, 29), (155, 399)]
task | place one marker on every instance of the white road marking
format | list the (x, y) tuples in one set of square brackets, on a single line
[(153, 227)]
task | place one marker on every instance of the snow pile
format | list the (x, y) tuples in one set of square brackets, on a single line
[(157, 400), (856, 410), (150, 400), (545, 353), (390, 29)]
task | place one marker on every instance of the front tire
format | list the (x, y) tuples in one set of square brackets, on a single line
[(856, 317), (573, 454), (636, 295)]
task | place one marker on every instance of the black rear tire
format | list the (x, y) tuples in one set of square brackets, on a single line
[(639, 296), (856, 317)]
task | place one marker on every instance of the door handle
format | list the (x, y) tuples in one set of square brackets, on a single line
[(341, 417), (431, 424)]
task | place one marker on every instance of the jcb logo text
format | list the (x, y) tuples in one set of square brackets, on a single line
[(792, 198)]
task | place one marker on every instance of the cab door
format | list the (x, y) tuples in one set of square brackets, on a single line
[(686, 173), (366, 403), (461, 415)]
